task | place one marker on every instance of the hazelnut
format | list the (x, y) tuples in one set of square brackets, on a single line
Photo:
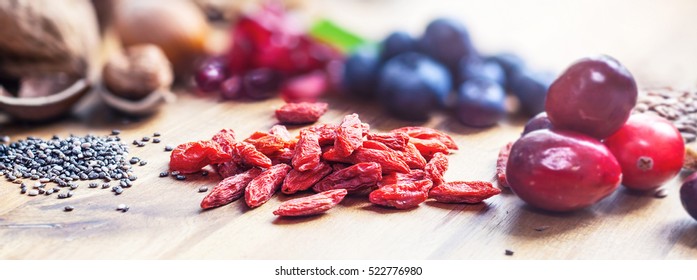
[(142, 70)]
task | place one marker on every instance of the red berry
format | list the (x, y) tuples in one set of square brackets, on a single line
[(210, 74), (304, 88), (561, 170), (649, 149), (593, 96)]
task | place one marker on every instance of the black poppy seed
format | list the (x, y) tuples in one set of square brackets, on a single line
[(70, 193), (62, 195), (105, 186), (41, 191), (136, 142), (23, 190), (33, 192), (123, 184), (68, 208), (118, 191), (156, 134), (142, 162), (181, 177), (115, 132), (49, 192), (74, 186), (509, 252), (126, 209), (164, 174), (134, 160), (141, 144), (132, 177), (145, 139), (204, 173), (93, 185), (156, 140), (56, 189), (168, 148), (203, 189)]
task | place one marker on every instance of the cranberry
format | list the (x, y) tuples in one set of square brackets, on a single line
[(231, 88), (593, 96), (210, 74), (304, 88), (649, 149), (261, 83), (540, 121), (561, 170), (688, 195)]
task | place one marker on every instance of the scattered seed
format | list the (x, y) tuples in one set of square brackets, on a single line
[(126, 209), (145, 139), (41, 191), (115, 132), (134, 160), (56, 189), (168, 148), (164, 174), (120, 207), (62, 195), (181, 177), (49, 192), (142, 162), (68, 208), (44, 180), (156, 140), (175, 173), (33, 192), (509, 252), (203, 189), (118, 190), (93, 185), (73, 186), (156, 134), (106, 186), (141, 144), (660, 193), (23, 190), (541, 228)]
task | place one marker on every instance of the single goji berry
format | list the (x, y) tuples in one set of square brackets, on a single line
[(349, 136), (311, 205), (394, 140), (229, 189), (501, 162), (261, 188), (301, 113), (225, 138), (245, 153), (307, 151), (412, 157), (463, 192), (266, 143), (399, 178), (426, 133), (388, 159), (329, 154), (436, 168), (302, 180), (353, 178), (427, 148), (227, 169), (401, 196), (191, 157), (285, 156)]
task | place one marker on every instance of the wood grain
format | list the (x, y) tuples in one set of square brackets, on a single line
[(165, 222)]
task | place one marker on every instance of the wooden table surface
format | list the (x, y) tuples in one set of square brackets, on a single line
[(657, 43)]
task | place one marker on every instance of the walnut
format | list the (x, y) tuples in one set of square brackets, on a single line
[(142, 70)]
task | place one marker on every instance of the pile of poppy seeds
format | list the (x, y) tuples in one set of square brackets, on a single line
[(64, 162)]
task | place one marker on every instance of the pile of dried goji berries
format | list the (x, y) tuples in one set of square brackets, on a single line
[(399, 169)]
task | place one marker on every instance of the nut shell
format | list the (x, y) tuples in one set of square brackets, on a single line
[(141, 70)]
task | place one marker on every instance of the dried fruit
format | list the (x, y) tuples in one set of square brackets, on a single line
[(400, 178), (248, 155), (225, 138), (388, 159), (301, 113), (326, 133), (285, 156), (299, 181), (401, 196), (229, 189), (307, 151), (436, 168), (353, 178), (267, 143), (427, 148), (261, 188), (426, 133), (282, 132), (412, 157), (191, 157), (463, 192), (227, 169), (394, 140), (501, 162), (349, 136), (311, 205)]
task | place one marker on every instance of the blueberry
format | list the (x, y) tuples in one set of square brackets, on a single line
[(360, 72), (411, 84), (480, 102), (478, 68), (397, 43), (531, 90), (511, 64), (447, 41)]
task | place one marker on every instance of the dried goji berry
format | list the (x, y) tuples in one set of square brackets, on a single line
[(349, 136), (227, 169), (191, 157), (261, 188), (426, 133), (436, 168), (427, 148), (302, 180), (266, 143), (388, 159), (326, 133), (330, 154), (301, 113), (225, 138), (285, 156), (463, 192), (311, 205), (229, 189), (501, 162), (353, 178), (248, 155), (401, 196), (399, 178), (394, 140), (338, 166), (412, 157), (307, 151), (281, 131)]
